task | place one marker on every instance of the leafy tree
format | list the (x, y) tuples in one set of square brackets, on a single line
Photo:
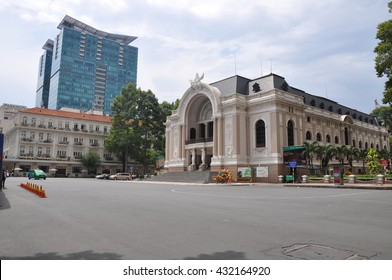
[(91, 161), (361, 155), (340, 153), (384, 114), (309, 153), (137, 125), (324, 154), (373, 161), (384, 56), (352, 153)]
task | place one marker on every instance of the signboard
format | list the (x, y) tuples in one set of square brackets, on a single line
[(384, 162), (262, 171), (337, 176), (294, 153), (293, 164), (244, 172)]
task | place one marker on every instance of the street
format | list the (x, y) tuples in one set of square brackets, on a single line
[(122, 220)]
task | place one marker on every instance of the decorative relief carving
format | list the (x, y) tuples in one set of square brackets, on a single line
[(229, 151), (228, 133)]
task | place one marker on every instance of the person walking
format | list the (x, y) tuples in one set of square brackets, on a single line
[(3, 177)]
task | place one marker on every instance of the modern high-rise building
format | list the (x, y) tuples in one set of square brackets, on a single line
[(88, 67)]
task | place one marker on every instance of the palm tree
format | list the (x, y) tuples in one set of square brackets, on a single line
[(340, 153), (324, 154), (362, 155), (351, 155), (309, 153)]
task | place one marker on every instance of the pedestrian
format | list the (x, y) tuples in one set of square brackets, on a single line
[(3, 177)]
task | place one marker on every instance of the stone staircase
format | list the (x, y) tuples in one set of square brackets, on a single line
[(200, 177)]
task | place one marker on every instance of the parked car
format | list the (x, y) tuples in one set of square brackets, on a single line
[(103, 176), (36, 174), (120, 176)]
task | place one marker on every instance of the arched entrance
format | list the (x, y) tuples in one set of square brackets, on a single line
[(199, 123)]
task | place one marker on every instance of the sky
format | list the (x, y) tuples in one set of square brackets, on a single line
[(325, 48)]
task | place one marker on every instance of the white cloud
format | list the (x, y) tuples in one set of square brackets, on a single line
[(310, 43)]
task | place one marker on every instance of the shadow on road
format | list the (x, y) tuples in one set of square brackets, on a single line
[(4, 203), (85, 255), (227, 255)]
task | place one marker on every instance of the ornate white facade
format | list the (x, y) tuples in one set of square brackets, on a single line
[(238, 122)]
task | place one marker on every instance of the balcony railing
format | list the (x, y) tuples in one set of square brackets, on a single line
[(199, 140)]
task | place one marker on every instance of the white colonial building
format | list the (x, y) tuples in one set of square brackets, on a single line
[(54, 141), (241, 123)]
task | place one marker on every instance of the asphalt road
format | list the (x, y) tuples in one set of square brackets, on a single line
[(101, 219)]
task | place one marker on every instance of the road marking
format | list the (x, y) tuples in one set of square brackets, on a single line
[(269, 197)]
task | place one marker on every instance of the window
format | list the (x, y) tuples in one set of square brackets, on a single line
[(41, 136), (308, 135), (39, 151), (345, 136), (24, 121), (336, 140), (22, 150), (260, 134), (319, 137), (31, 150), (33, 121), (192, 133), (290, 133), (202, 129), (328, 138), (309, 119), (48, 152), (360, 144)]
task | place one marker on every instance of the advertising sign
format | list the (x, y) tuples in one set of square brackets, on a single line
[(262, 171), (337, 176), (294, 153), (244, 172)]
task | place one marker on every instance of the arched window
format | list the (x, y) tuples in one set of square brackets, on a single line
[(192, 133), (360, 144), (308, 135), (24, 120), (290, 133), (346, 136), (318, 137), (354, 143), (336, 140), (366, 145), (328, 138), (260, 134)]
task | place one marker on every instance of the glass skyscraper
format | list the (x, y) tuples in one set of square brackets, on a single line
[(88, 68)]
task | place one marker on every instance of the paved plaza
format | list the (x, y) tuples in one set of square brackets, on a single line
[(101, 219)]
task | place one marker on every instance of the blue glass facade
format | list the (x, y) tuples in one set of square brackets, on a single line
[(44, 70), (89, 70)]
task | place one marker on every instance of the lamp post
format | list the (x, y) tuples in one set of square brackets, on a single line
[(129, 126)]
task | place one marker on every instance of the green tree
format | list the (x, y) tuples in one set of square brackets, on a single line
[(340, 153), (384, 114), (361, 155), (352, 153), (91, 161), (324, 154), (309, 153), (373, 161), (383, 58), (137, 126)]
